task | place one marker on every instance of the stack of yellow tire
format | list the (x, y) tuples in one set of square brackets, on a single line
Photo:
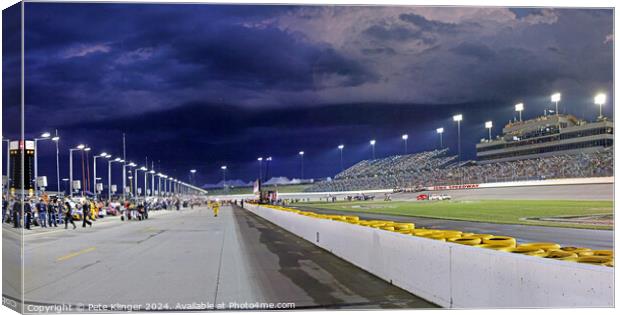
[(488, 241)]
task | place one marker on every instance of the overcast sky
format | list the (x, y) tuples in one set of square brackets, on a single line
[(200, 86)]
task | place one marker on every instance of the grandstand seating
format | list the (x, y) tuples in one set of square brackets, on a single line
[(438, 168)]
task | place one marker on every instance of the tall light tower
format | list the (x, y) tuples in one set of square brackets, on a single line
[(95, 157), (341, 148), (372, 144), (458, 118), (268, 159), (600, 100), (440, 133), (152, 172), (56, 139), (130, 165), (405, 137), (260, 168), (78, 148), (145, 170), (301, 155), (555, 98), (44, 136), (519, 108), (192, 174), (489, 125), (116, 160), (224, 168)]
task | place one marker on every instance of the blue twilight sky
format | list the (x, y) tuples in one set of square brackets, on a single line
[(200, 86)]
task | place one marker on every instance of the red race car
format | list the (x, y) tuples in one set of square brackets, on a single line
[(422, 197)]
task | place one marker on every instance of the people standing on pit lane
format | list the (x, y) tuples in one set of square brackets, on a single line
[(52, 211), (68, 214), (86, 214), (42, 213), (27, 214), (17, 208)]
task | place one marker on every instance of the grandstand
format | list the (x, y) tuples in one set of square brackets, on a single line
[(439, 168)]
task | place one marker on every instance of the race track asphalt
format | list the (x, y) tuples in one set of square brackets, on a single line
[(191, 259), (595, 239)]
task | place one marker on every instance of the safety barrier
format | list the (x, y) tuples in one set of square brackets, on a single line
[(451, 274)]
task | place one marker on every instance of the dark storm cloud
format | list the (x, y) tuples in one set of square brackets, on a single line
[(195, 85), (426, 25), (476, 50)]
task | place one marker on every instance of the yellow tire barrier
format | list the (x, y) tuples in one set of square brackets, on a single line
[(465, 240), (500, 240), (352, 218), (543, 246), (580, 251), (595, 260), (405, 231), (561, 255), (421, 233), (530, 251), (481, 236), (437, 237), (606, 253), (501, 248), (387, 228), (404, 226), (609, 264)]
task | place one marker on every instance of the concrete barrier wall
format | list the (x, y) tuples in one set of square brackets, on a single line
[(453, 275), (526, 183)]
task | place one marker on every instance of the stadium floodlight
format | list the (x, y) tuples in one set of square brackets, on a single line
[(556, 97), (80, 147), (224, 167), (131, 164), (458, 118), (341, 147), (103, 154), (192, 171), (372, 144), (405, 137), (519, 108), (489, 125), (152, 171), (302, 153), (45, 135), (600, 99), (86, 149), (260, 159), (269, 159), (440, 133), (56, 138), (144, 169)]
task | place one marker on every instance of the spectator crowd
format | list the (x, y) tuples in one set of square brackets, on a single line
[(436, 167)]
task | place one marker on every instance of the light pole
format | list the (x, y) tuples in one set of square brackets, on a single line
[(159, 177), (489, 125), (458, 118), (192, 173), (95, 157), (268, 159), (260, 168), (152, 172), (116, 160), (8, 167), (519, 108), (78, 148), (44, 136), (56, 139), (341, 148), (145, 170), (600, 100), (555, 98), (131, 164), (372, 144), (64, 188), (440, 133), (405, 137), (224, 168), (301, 155)]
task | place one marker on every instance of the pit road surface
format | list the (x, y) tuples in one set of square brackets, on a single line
[(191, 257)]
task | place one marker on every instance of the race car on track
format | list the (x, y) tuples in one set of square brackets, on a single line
[(422, 197)]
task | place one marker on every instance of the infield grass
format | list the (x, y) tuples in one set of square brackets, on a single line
[(493, 211)]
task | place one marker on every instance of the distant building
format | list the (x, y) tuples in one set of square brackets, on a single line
[(545, 136)]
